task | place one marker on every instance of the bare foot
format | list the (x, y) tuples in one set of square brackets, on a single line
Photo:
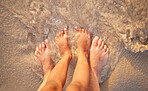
[(42, 54), (62, 43), (83, 41), (98, 55)]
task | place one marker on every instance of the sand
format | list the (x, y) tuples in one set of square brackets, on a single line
[(121, 24)]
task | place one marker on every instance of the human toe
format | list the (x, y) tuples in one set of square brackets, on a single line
[(43, 46), (66, 34), (65, 29), (99, 43), (36, 51), (80, 30), (40, 48), (47, 44), (107, 51), (95, 41), (102, 45), (83, 31), (76, 29), (58, 35), (105, 48), (62, 33)]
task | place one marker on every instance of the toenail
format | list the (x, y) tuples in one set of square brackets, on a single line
[(65, 29), (46, 40), (96, 37), (76, 27)]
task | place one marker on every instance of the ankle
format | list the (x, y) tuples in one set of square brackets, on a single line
[(95, 73), (93, 70), (82, 53), (68, 55)]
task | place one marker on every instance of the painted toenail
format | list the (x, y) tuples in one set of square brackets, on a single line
[(96, 37), (65, 29), (46, 41), (75, 27)]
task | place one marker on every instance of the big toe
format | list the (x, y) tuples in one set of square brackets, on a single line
[(76, 28), (47, 44), (95, 41), (66, 32)]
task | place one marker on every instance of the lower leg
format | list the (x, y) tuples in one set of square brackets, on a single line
[(98, 58), (59, 73), (81, 74), (57, 77), (42, 55)]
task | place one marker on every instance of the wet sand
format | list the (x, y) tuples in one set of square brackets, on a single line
[(123, 25)]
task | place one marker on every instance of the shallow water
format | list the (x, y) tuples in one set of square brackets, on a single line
[(121, 24)]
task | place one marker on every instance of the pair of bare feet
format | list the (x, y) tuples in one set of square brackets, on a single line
[(98, 51)]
